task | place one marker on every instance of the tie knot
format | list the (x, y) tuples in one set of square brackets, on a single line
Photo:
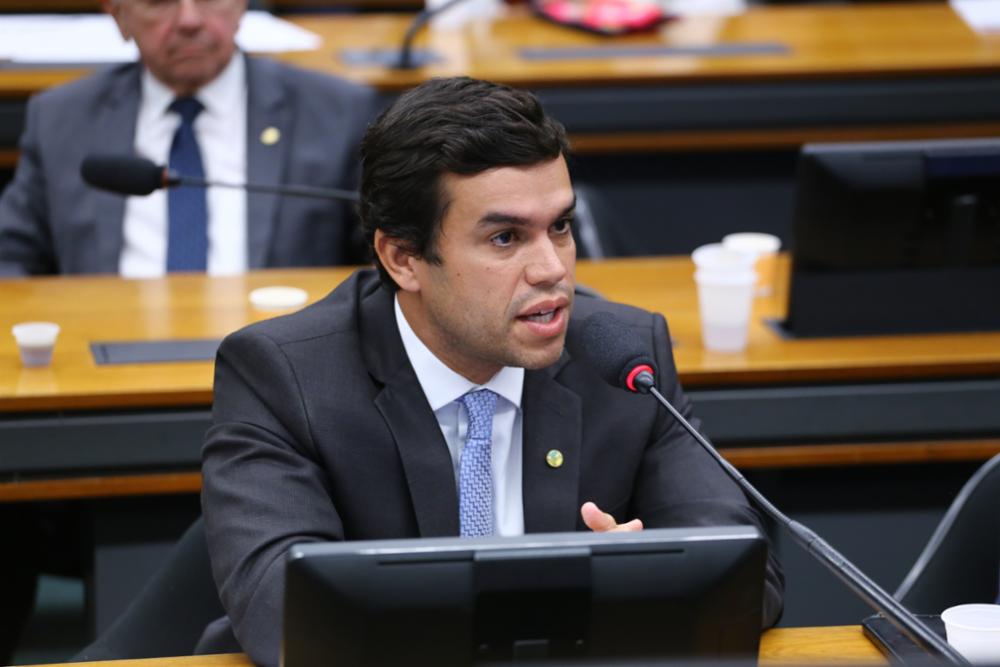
[(187, 107), (480, 405)]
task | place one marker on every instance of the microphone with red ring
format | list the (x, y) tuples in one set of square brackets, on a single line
[(617, 353), (614, 351)]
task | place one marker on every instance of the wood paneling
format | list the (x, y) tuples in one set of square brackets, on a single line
[(745, 458), (109, 486)]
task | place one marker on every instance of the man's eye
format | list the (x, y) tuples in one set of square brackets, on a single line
[(502, 239), (562, 226)]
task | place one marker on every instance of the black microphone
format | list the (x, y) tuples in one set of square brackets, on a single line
[(123, 174), (619, 356), (131, 175)]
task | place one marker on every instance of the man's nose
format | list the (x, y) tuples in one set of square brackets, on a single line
[(546, 266), (189, 13)]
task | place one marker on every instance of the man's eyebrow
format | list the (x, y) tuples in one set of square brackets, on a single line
[(498, 218)]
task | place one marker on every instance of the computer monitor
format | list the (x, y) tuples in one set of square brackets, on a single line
[(664, 593), (896, 237)]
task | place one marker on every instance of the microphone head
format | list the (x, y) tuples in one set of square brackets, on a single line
[(124, 174), (612, 349)]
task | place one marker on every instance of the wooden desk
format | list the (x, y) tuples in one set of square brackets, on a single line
[(71, 401), (78, 431), (847, 72), (652, 133), (781, 646)]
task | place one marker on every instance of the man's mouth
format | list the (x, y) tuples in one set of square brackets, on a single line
[(542, 316)]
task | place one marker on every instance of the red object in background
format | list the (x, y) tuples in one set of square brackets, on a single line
[(605, 17)]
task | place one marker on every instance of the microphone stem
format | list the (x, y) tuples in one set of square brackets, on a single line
[(290, 190), (862, 585), (406, 50)]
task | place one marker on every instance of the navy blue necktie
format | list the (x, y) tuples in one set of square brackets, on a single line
[(187, 207)]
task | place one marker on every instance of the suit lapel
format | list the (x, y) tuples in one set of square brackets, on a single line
[(268, 143), (113, 132), (552, 421), (424, 454)]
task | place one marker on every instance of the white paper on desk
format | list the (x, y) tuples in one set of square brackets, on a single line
[(980, 15), (704, 7), (94, 38)]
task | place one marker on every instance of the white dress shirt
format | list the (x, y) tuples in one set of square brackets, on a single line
[(443, 387), (221, 129)]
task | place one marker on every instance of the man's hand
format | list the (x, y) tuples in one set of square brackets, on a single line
[(602, 522)]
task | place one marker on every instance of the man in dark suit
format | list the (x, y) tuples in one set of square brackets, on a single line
[(434, 397), (257, 120)]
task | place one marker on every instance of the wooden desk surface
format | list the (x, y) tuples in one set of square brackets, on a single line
[(822, 41), (93, 309), (780, 646)]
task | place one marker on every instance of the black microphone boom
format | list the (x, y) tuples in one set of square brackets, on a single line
[(603, 339), (131, 175)]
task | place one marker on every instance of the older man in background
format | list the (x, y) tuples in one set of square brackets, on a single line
[(198, 104)]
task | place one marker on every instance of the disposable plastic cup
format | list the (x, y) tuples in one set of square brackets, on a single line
[(35, 342), (974, 631), (764, 247), (724, 303), (716, 258)]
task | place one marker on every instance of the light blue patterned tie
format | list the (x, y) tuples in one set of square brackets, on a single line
[(187, 206), (475, 479)]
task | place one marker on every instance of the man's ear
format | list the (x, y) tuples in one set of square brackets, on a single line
[(114, 7), (398, 260)]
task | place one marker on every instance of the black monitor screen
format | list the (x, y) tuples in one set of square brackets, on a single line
[(666, 593), (896, 237)]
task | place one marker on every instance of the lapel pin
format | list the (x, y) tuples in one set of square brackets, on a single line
[(554, 458), (270, 136)]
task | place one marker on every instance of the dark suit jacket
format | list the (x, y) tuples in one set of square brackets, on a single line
[(53, 222), (322, 432)]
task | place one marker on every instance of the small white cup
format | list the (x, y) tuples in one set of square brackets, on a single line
[(725, 279), (974, 631), (765, 248), (35, 342), (273, 299)]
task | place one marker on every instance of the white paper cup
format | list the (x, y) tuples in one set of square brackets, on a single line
[(974, 631), (714, 257), (35, 342), (724, 303), (762, 246)]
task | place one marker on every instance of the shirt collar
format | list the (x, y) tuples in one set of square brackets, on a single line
[(442, 385), (219, 96)]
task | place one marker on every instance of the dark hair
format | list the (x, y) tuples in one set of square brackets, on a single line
[(455, 125)]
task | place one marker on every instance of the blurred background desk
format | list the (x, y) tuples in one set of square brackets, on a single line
[(686, 146), (864, 439)]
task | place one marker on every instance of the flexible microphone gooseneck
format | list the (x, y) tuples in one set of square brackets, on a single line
[(130, 175), (620, 357)]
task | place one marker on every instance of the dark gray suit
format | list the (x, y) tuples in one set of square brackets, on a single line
[(53, 222), (322, 432)]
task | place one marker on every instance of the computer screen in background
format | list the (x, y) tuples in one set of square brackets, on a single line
[(896, 237)]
